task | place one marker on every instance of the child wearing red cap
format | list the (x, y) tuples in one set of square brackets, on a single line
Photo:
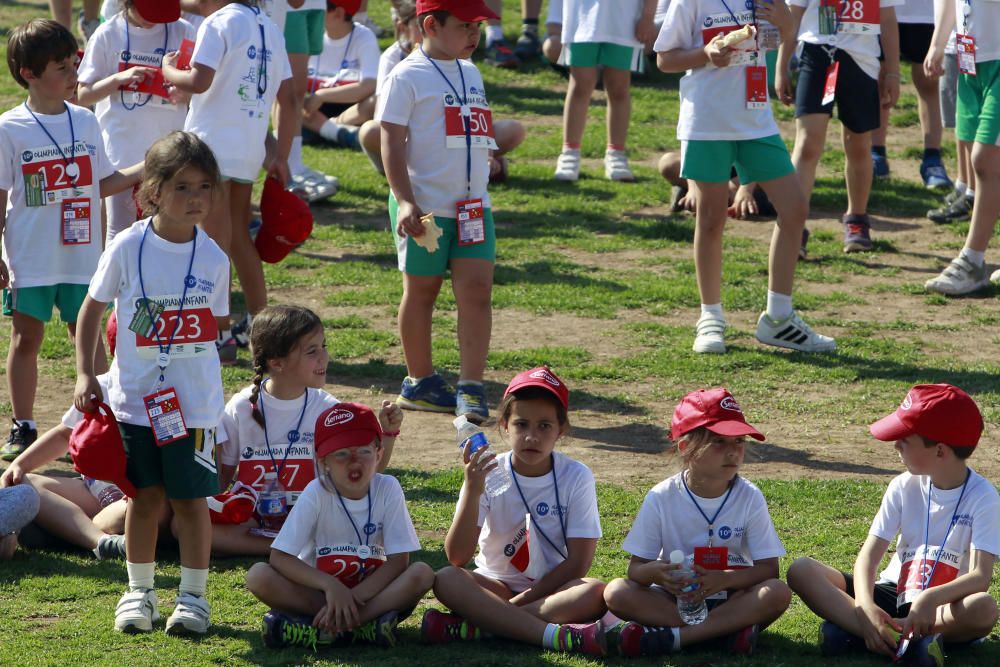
[(340, 567), (536, 540), (936, 587), (707, 510)]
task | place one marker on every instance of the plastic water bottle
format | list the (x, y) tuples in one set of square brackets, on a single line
[(497, 480), (272, 503), (690, 606), (105, 492), (769, 38)]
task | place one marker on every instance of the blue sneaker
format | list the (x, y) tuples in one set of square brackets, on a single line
[(880, 166), (471, 402), (927, 651), (432, 394), (934, 174), (835, 641)]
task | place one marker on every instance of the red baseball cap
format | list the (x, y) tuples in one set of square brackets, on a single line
[(286, 221), (345, 425), (716, 410), (158, 11), (540, 377), (940, 412), (470, 11), (98, 451), (350, 7)]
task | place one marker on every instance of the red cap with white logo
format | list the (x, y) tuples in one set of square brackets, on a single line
[(470, 11), (345, 425), (939, 412), (716, 410), (540, 377)]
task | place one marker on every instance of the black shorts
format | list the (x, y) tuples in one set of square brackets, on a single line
[(857, 98), (914, 40), (884, 595)]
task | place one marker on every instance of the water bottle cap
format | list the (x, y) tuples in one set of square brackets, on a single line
[(676, 557), (460, 421)]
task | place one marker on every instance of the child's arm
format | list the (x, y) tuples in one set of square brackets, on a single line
[(88, 325), (374, 584), (349, 93), (390, 417), (286, 131), (923, 612), (782, 76), (88, 94), (394, 159), (681, 60), (873, 621), (196, 80), (645, 27), (648, 572), (581, 557), (341, 610), (888, 80), (4, 273), (53, 444), (944, 23), (460, 543), (120, 180), (713, 581)]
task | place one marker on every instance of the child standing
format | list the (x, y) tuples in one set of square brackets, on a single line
[(340, 567), (536, 540), (841, 51), (609, 34), (947, 517), (435, 100), (725, 121), (168, 281), (53, 173)]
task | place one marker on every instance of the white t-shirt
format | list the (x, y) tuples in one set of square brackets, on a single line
[(350, 59), (863, 48), (600, 21), (668, 520), (34, 175), (128, 128), (904, 513), (415, 95), (309, 4), (391, 57), (193, 370), (232, 116), (661, 11), (319, 532), (982, 24), (713, 99), (916, 11), (247, 447), (503, 552)]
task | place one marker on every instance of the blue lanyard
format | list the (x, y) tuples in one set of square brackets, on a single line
[(163, 359), (293, 435), (466, 118), (710, 522), (262, 70), (558, 509), (72, 142), (343, 61), (127, 56), (736, 22), (927, 529), (355, 526)]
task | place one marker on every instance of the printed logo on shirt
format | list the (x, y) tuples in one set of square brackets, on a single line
[(544, 508), (370, 528), (252, 52), (725, 532), (204, 285), (517, 550)]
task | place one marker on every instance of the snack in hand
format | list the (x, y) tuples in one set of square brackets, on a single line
[(429, 239), (736, 36)]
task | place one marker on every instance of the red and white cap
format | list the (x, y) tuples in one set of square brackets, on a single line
[(939, 412), (470, 11), (716, 410), (158, 11), (540, 377), (345, 425), (350, 7)]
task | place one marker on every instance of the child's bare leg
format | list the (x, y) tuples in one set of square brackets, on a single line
[(670, 168), (965, 172), (61, 510), (26, 336), (359, 113), (111, 519), (928, 106), (824, 590), (415, 312), (275, 590), (194, 531), (616, 86), (235, 540), (142, 524), (810, 139), (472, 283), (986, 166), (484, 602), (643, 604), (552, 46), (711, 206), (242, 251), (509, 135), (967, 619), (402, 593), (582, 81), (576, 601), (792, 206), (857, 170)]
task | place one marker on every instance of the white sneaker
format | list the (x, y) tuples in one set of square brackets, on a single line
[(792, 333), (315, 185), (190, 615), (710, 330), (137, 611), (568, 166), (616, 167), (995, 277), (959, 277)]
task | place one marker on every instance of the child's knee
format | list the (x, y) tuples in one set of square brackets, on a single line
[(981, 612), (801, 571), (776, 596), (190, 508), (592, 590), (259, 577), (617, 593), (422, 577)]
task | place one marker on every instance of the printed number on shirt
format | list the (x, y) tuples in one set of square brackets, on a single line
[(343, 562), (915, 573), (480, 122), (195, 335), (48, 179)]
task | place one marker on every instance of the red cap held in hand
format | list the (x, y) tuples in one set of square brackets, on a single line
[(98, 451), (286, 221)]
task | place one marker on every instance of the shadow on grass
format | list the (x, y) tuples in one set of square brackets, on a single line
[(631, 438), (771, 452), (58, 558)]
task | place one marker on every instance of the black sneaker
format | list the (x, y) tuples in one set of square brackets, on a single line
[(20, 438), (528, 46), (110, 546), (241, 331), (804, 247), (959, 210)]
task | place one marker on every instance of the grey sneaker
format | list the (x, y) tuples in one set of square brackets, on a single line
[(959, 277), (792, 333), (190, 616), (137, 611), (110, 546), (710, 334)]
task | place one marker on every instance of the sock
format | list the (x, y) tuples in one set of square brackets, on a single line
[(779, 306), (494, 33), (567, 147), (194, 581), (550, 636), (30, 422), (932, 153), (609, 621), (420, 379), (878, 150), (530, 27), (329, 129), (295, 164), (961, 187), (713, 308), (677, 638), (140, 575), (977, 257), (615, 147)]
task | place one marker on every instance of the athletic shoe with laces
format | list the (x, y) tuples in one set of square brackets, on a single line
[(227, 350), (585, 638), (498, 54), (637, 640), (934, 174), (927, 651), (431, 394), (137, 611), (836, 641), (438, 627), (470, 400), (379, 631), (959, 209), (110, 546), (190, 615), (281, 629), (880, 166), (710, 334), (616, 167), (792, 333), (20, 438), (959, 277), (745, 641), (857, 233), (528, 46), (568, 165), (241, 331)]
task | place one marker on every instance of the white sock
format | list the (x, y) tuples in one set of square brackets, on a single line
[(977, 257), (713, 308), (548, 637), (493, 33), (970, 193), (140, 575), (609, 621), (30, 422), (329, 129), (295, 164), (194, 581), (677, 638), (961, 187), (779, 306)]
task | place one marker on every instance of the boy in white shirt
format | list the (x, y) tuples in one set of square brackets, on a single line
[(947, 516)]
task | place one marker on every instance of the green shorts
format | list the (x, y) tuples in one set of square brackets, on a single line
[(185, 468), (37, 302), (756, 160), (978, 113), (304, 31), (416, 261), (592, 54)]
